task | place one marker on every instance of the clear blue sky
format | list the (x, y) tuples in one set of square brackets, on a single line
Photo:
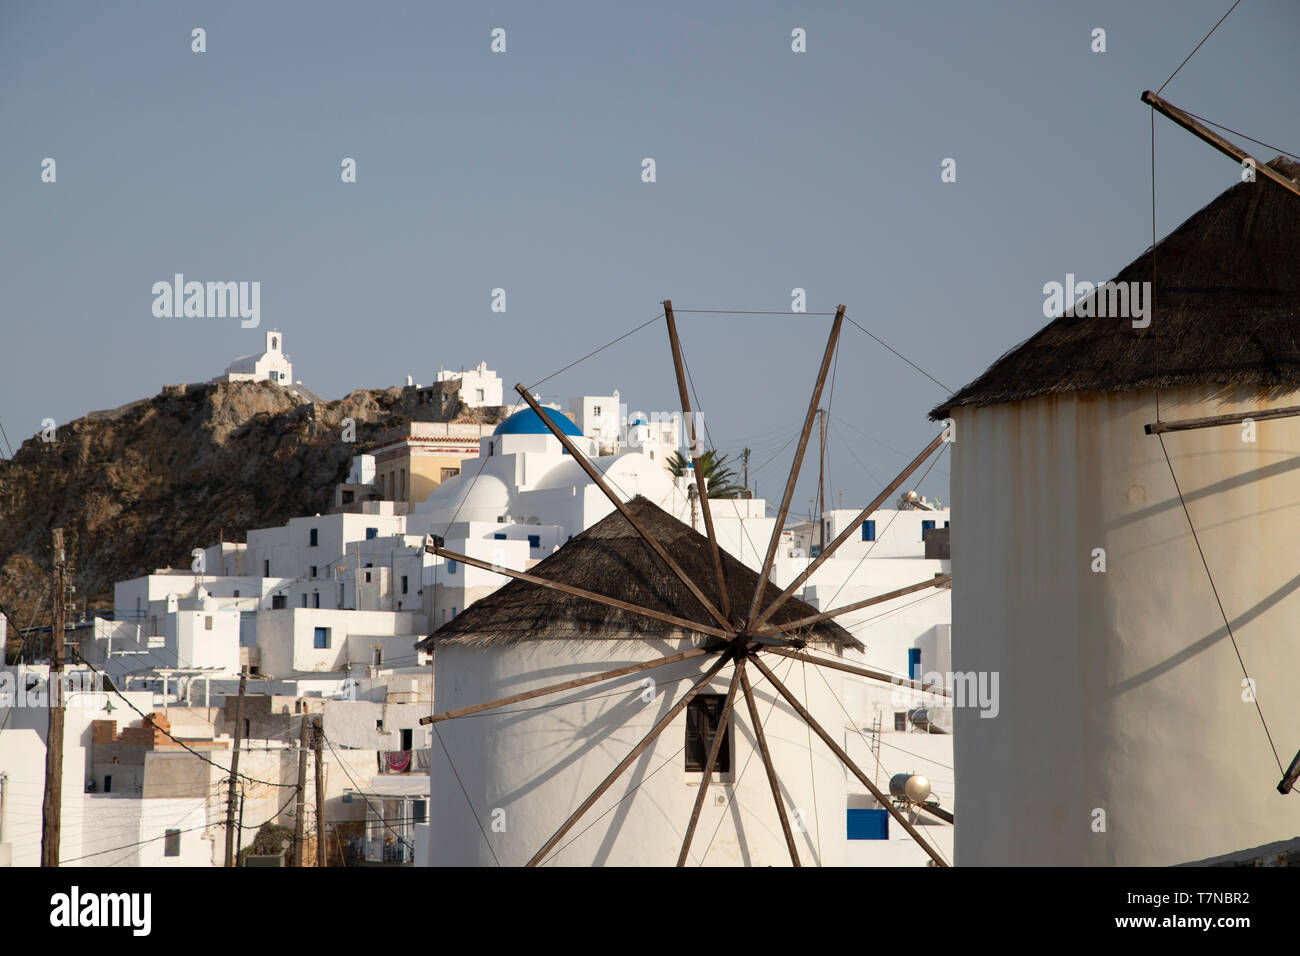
[(523, 170)]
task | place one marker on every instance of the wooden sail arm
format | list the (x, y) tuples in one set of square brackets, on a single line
[(569, 685), (1292, 774), (618, 503), (627, 761), (715, 747), (944, 815), (724, 598), (1236, 418), (683, 623), (1193, 126), (817, 728), (848, 532), (795, 465), (868, 672), (938, 581), (760, 738)]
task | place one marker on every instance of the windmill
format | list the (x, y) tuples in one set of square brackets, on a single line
[(740, 627)]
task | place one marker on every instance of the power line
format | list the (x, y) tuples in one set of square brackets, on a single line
[(854, 723), (900, 355), (1219, 601), (750, 312), (362, 794), (601, 349), (1197, 47), (468, 802), (177, 740), (892, 519), (1234, 132), (204, 826)]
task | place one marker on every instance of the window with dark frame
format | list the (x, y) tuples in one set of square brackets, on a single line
[(172, 843), (703, 718)]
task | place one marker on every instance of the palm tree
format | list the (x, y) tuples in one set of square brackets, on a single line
[(719, 479)]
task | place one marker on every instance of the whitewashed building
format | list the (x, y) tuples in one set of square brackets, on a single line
[(1134, 589), (479, 387), (272, 365)]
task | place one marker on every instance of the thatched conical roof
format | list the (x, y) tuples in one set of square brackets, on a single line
[(610, 558), (1227, 312)]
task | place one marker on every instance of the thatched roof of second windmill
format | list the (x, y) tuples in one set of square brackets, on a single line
[(610, 558), (1227, 312)]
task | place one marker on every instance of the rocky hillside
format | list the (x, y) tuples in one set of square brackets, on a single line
[(138, 487)]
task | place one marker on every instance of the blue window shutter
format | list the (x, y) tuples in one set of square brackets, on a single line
[(372, 533), (926, 526), (534, 541), (914, 663), (499, 537), (451, 567), (868, 824), (869, 530)]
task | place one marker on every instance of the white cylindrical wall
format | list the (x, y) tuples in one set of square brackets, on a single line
[(1120, 691), (529, 770)]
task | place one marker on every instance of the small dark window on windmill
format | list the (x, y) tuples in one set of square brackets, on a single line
[(703, 718)]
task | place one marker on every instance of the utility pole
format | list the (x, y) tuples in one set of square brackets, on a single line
[(821, 484), (300, 804), (241, 814), (746, 455), (52, 803), (234, 772), (317, 739)]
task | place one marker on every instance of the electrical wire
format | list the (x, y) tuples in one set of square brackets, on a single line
[(177, 740), (1197, 47), (468, 802), (1219, 601), (362, 794), (890, 348), (601, 349)]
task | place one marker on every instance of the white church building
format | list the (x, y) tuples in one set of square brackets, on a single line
[(272, 365)]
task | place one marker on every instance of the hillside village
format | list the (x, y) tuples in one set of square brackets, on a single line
[(324, 619)]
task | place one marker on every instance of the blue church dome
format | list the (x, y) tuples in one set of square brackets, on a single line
[(528, 422)]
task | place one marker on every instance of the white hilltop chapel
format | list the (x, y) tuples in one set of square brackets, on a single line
[(272, 365)]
